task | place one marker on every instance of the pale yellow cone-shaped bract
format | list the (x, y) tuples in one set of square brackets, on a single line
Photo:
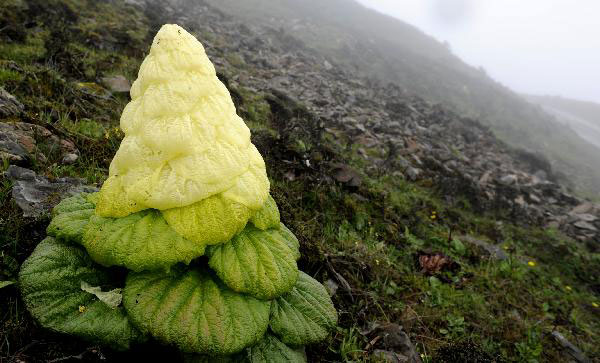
[(183, 139)]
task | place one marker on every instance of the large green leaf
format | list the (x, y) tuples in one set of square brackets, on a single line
[(260, 263), (268, 216), (210, 221), (50, 281), (304, 315), (75, 203), (195, 311), (268, 350), (70, 217), (140, 241)]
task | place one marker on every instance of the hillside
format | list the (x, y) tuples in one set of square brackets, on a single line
[(369, 43), (437, 241), (583, 117)]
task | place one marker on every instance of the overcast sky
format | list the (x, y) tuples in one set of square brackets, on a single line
[(532, 46)]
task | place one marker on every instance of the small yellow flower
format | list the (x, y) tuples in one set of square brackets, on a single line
[(377, 262), (568, 288), (82, 308), (505, 247), (531, 263), (595, 305)]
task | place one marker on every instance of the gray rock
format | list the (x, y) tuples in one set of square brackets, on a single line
[(393, 342), (412, 173), (585, 225), (116, 84), (569, 349), (9, 105), (509, 179), (494, 251), (586, 217), (70, 158), (37, 195), (582, 208)]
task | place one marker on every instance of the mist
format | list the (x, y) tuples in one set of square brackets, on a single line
[(534, 47)]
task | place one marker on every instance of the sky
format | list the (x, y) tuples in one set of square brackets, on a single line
[(544, 47)]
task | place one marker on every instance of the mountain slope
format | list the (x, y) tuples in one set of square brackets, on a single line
[(369, 43), (582, 116)]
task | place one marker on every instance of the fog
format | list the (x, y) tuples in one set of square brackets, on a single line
[(544, 47)]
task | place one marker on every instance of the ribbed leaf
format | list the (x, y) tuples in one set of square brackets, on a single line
[(77, 202), (140, 241), (268, 350), (260, 263), (71, 216), (195, 311), (304, 315), (268, 216), (50, 281), (211, 221), (290, 239)]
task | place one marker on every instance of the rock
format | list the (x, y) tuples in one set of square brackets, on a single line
[(386, 356), (18, 142), (509, 179), (586, 217), (494, 251), (412, 173), (93, 89), (585, 225), (116, 84), (70, 158), (345, 174), (569, 349), (9, 105), (37, 195), (392, 342), (582, 208)]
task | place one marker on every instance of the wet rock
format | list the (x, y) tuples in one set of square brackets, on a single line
[(116, 84), (9, 105), (36, 195)]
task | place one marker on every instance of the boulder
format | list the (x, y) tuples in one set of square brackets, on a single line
[(9, 105)]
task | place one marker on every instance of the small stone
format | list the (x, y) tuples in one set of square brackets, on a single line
[(70, 158), (585, 225), (509, 179), (413, 173), (116, 84), (586, 217)]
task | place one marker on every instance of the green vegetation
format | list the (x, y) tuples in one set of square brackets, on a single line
[(366, 239)]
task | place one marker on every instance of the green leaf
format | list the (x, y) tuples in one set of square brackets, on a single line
[(111, 298), (270, 349), (260, 263), (195, 311), (290, 239), (304, 315), (140, 241), (210, 221), (81, 201), (4, 284), (268, 216), (70, 217), (50, 281)]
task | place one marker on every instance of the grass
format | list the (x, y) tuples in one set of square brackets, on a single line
[(367, 240)]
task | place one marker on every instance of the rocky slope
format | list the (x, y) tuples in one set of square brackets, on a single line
[(402, 134)]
